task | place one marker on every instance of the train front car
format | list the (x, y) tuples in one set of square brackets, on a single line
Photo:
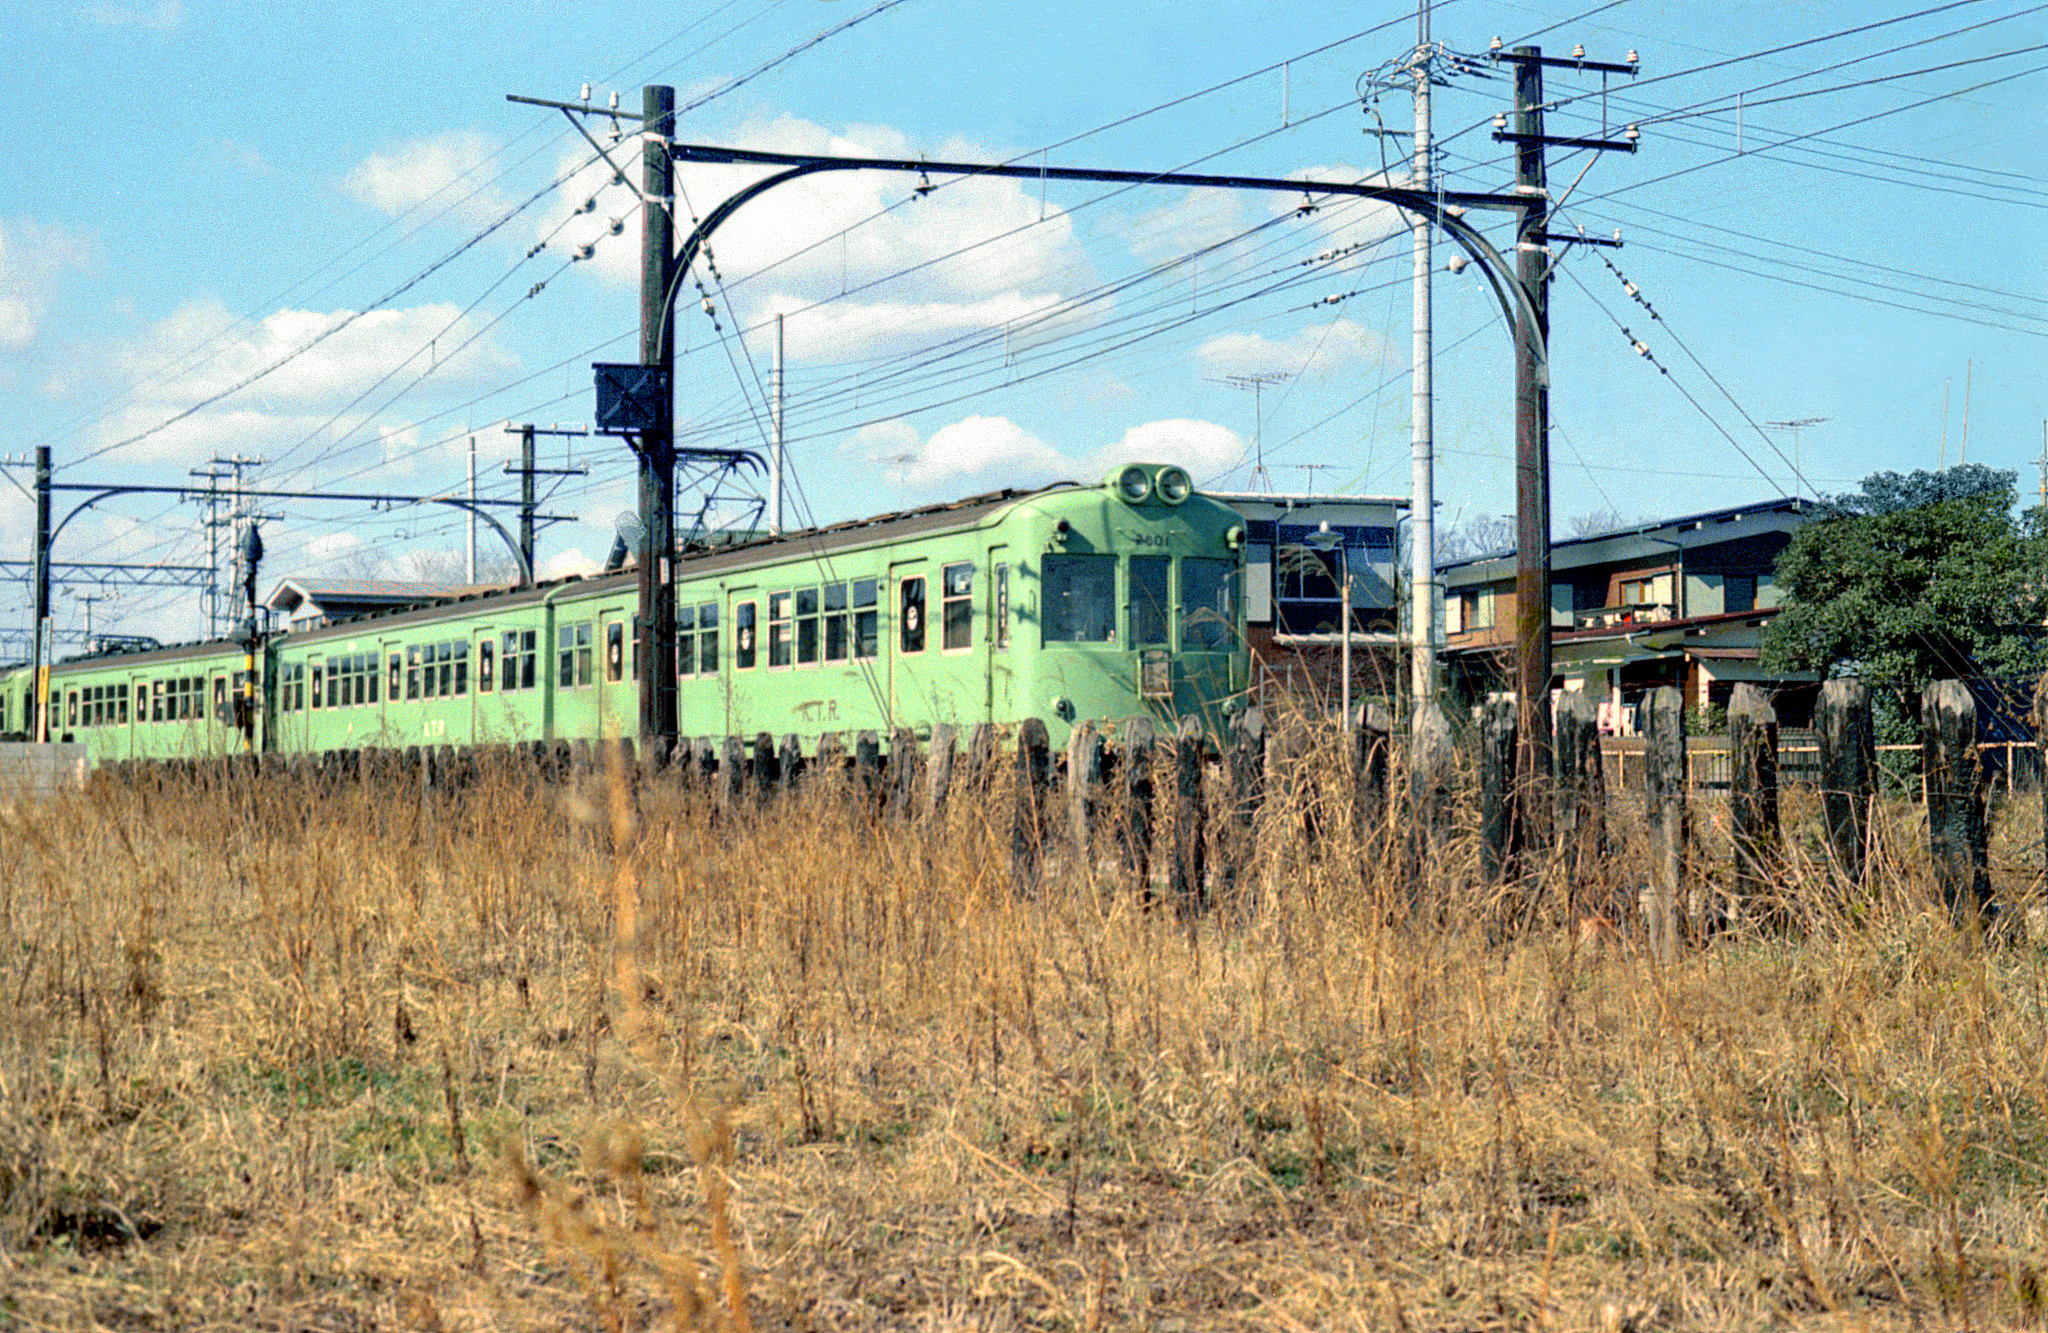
[(1128, 604)]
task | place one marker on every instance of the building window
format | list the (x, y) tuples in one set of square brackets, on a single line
[(956, 589), (1738, 592)]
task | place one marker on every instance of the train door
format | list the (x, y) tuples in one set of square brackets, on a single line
[(1001, 684), (618, 706), (909, 642), (746, 661), (483, 687)]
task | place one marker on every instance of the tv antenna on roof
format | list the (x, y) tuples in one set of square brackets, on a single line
[(1257, 384)]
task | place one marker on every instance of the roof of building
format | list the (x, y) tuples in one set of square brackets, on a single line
[(1561, 551), (295, 592)]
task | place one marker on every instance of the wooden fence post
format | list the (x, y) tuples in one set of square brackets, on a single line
[(767, 767), (1753, 801), (1956, 828), (867, 765), (1084, 789), (1245, 768), (1134, 803), (1027, 824), (1497, 719), (735, 769), (903, 771), (982, 759), (1581, 822), (1848, 774), (939, 770), (831, 761), (1664, 803), (790, 759), (1190, 818)]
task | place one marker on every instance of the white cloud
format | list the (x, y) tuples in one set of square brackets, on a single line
[(560, 564), (1313, 350), (974, 254), (325, 385), (974, 447), (421, 170), (1202, 447), (160, 17), (32, 257)]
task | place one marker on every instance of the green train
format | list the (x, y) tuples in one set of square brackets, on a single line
[(1066, 603)]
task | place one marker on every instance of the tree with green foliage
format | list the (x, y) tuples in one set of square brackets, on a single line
[(1914, 578)]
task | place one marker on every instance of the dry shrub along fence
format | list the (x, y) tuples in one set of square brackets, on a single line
[(1292, 1033)]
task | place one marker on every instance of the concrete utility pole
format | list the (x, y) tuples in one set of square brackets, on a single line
[(1422, 475), (775, 439), (656, 446)]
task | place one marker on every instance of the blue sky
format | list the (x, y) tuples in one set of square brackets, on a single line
[(308, 235)]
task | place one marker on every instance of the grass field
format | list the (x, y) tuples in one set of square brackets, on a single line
[(536, 1058)]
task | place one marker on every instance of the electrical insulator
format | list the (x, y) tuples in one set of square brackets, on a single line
[(1496, 44), (1630, 288), (1642, 349), (1579, 52), (586, 92), (1632, 57), (615, 99), (1500, 120), (1631, 134)]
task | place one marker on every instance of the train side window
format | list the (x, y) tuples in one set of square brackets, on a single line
[(957, 606), (1149, 597), (615, 651), (867, 629), (220, 696), (412, 671), (836, 642), (1077, 603), (71, 708), (156, 701), (396, 683), (686, 640), (459, 652), (806, 626), (572, 655), (910, 604), (999, 609), (743, 636), (372, 677), (319, 682), (778, 629), (120, 706), (486, 666), (707, 638)]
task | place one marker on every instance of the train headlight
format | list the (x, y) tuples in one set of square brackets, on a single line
[(1175, 485), (1134, 484)]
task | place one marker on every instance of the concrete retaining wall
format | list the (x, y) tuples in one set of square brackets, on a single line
[(37, 770)]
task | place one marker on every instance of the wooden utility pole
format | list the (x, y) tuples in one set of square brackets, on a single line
[(655, 447)]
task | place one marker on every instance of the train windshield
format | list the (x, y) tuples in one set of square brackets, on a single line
[(1208, 605), (1080, 599)]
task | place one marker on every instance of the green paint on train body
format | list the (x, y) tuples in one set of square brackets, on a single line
[(1071, 603)]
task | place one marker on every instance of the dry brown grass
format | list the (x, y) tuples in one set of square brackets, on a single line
[(543, 1059)]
